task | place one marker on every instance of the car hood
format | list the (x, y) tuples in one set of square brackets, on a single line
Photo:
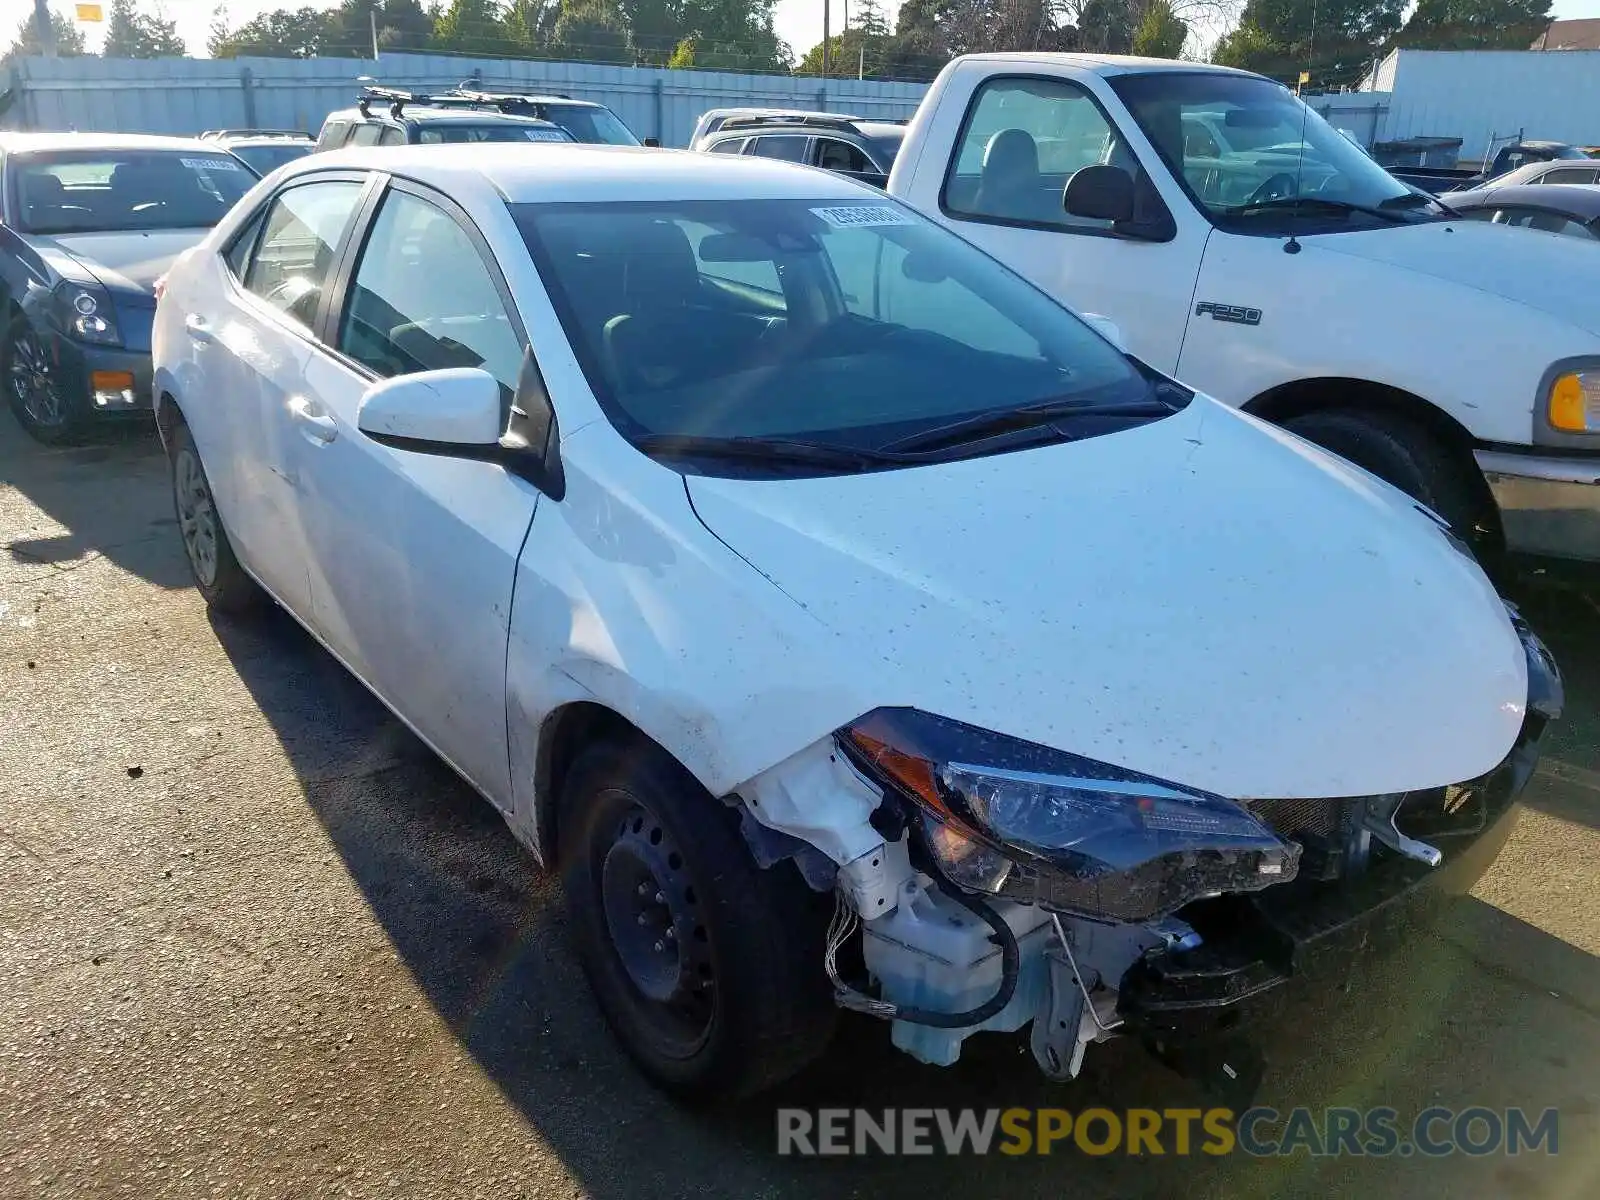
[(126, 262), (1205, 598), (1553, 275)]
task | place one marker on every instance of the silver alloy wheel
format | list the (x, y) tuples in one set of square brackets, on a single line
[(33, 383), (197, 515)]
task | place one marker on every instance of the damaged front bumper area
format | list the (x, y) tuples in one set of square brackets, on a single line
[(1088, 902)]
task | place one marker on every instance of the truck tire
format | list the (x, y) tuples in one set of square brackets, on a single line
[(219, 578), (1406, 454), (707, 968)]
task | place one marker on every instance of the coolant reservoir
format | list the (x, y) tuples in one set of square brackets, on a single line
[(933, 954)]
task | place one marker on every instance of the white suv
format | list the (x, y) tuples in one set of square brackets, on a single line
[(761, 549)]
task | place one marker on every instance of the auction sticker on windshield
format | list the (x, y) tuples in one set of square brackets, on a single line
[(210, 164), (854, 216), (544, 135)]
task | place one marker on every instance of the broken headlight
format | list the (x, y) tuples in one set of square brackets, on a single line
[(1005, 816)]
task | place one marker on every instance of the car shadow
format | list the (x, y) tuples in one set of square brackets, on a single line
[(1568, 619), (107, 498), (1485, 1010)]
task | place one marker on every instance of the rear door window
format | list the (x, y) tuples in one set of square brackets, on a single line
[(789, 147), (835, 155)]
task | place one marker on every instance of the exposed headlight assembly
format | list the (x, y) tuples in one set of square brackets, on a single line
[(1009, 817), (86, 313)]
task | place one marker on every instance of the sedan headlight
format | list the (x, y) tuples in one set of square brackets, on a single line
[(1002, 815), (86, 313)]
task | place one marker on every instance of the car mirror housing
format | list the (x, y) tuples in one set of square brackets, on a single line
[(442, 410), (460, 412), (1099, 193)]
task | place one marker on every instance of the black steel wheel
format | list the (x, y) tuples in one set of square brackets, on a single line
[(708, 969), (33, 386)]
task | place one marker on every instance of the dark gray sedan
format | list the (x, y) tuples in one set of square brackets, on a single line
[(1572, 209)]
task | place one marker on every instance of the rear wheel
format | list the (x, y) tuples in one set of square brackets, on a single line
[(33, 387), (708, 969), (217, 573), (1406, 454)]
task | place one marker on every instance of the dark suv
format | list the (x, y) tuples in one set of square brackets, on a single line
[(854, 146), (390, 117)]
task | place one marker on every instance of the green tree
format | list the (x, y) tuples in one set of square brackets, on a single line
[(531, 24), (1276, 38), (471, 26), (1161, 33), (591, 31), (682, 56), (286, 33), (69, 42), (1475, 24), (133, 34)]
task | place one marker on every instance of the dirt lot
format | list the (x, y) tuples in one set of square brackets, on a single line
[(255, 941)]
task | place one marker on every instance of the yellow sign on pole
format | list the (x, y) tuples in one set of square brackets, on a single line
[(90, 12), (1305, 76)]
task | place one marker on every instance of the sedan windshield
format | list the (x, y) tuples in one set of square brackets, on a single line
[(1248, 150), (84, 191), (821, 325)]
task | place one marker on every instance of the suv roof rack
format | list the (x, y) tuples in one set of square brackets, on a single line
[(815, 120), (458, 97), (221, 133)]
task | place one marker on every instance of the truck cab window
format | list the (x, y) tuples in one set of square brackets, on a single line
[(1023, 139)]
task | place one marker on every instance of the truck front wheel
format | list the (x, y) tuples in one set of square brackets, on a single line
[(1406, 454), (708, 968)]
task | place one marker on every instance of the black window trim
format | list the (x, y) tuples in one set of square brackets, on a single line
[(1014, 222), (336, 297), (255, 224)]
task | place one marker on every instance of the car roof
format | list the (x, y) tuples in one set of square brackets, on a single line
[(576, 172), (23, 143), (1105, 64), (454, 115), (1536, 169), (1580, 201)]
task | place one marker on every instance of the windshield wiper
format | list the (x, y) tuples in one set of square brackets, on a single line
[(775, 451), (1325, 203), (991, 424)]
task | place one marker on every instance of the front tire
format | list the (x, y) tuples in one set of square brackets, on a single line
[(708, 969), (33, 387), (217, 574), (1403, 453)]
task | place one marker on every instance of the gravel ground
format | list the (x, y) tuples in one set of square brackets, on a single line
[(256, 941)]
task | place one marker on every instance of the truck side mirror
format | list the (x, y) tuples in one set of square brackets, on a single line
[(1099, 193), (652, 143)]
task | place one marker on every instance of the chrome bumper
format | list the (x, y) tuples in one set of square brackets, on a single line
[(1548, 506)]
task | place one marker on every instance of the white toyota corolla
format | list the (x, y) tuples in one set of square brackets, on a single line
[(767, 554)]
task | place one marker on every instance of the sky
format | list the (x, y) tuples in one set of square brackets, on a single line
[(799, 21)]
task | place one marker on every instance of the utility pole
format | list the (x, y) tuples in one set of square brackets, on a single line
[(372, 17), (824, 37), (46, 28)]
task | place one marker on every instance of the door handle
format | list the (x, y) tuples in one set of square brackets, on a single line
[(198, 328), (314, 423)]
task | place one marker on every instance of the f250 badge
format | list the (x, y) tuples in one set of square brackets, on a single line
[(1232, 313)]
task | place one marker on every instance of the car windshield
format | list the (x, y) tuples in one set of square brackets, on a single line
[(841, 322), (597, 126), (266, 157), (109, 190), (1247, 149), (496, 131)]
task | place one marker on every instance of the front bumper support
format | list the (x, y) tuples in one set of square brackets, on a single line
[(1549, 504)]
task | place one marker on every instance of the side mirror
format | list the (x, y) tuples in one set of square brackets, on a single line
[(1099, 193), (459, 413), (653, 143), (433, 411), (1106, 328)]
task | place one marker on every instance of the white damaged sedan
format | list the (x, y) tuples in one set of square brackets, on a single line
[(851, 625)]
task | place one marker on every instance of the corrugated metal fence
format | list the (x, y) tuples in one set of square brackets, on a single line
[(185, 96)]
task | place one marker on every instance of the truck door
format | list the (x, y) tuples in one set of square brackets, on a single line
[(1019, 141)]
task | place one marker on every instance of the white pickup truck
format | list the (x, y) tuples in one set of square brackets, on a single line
[(1243, 245)]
